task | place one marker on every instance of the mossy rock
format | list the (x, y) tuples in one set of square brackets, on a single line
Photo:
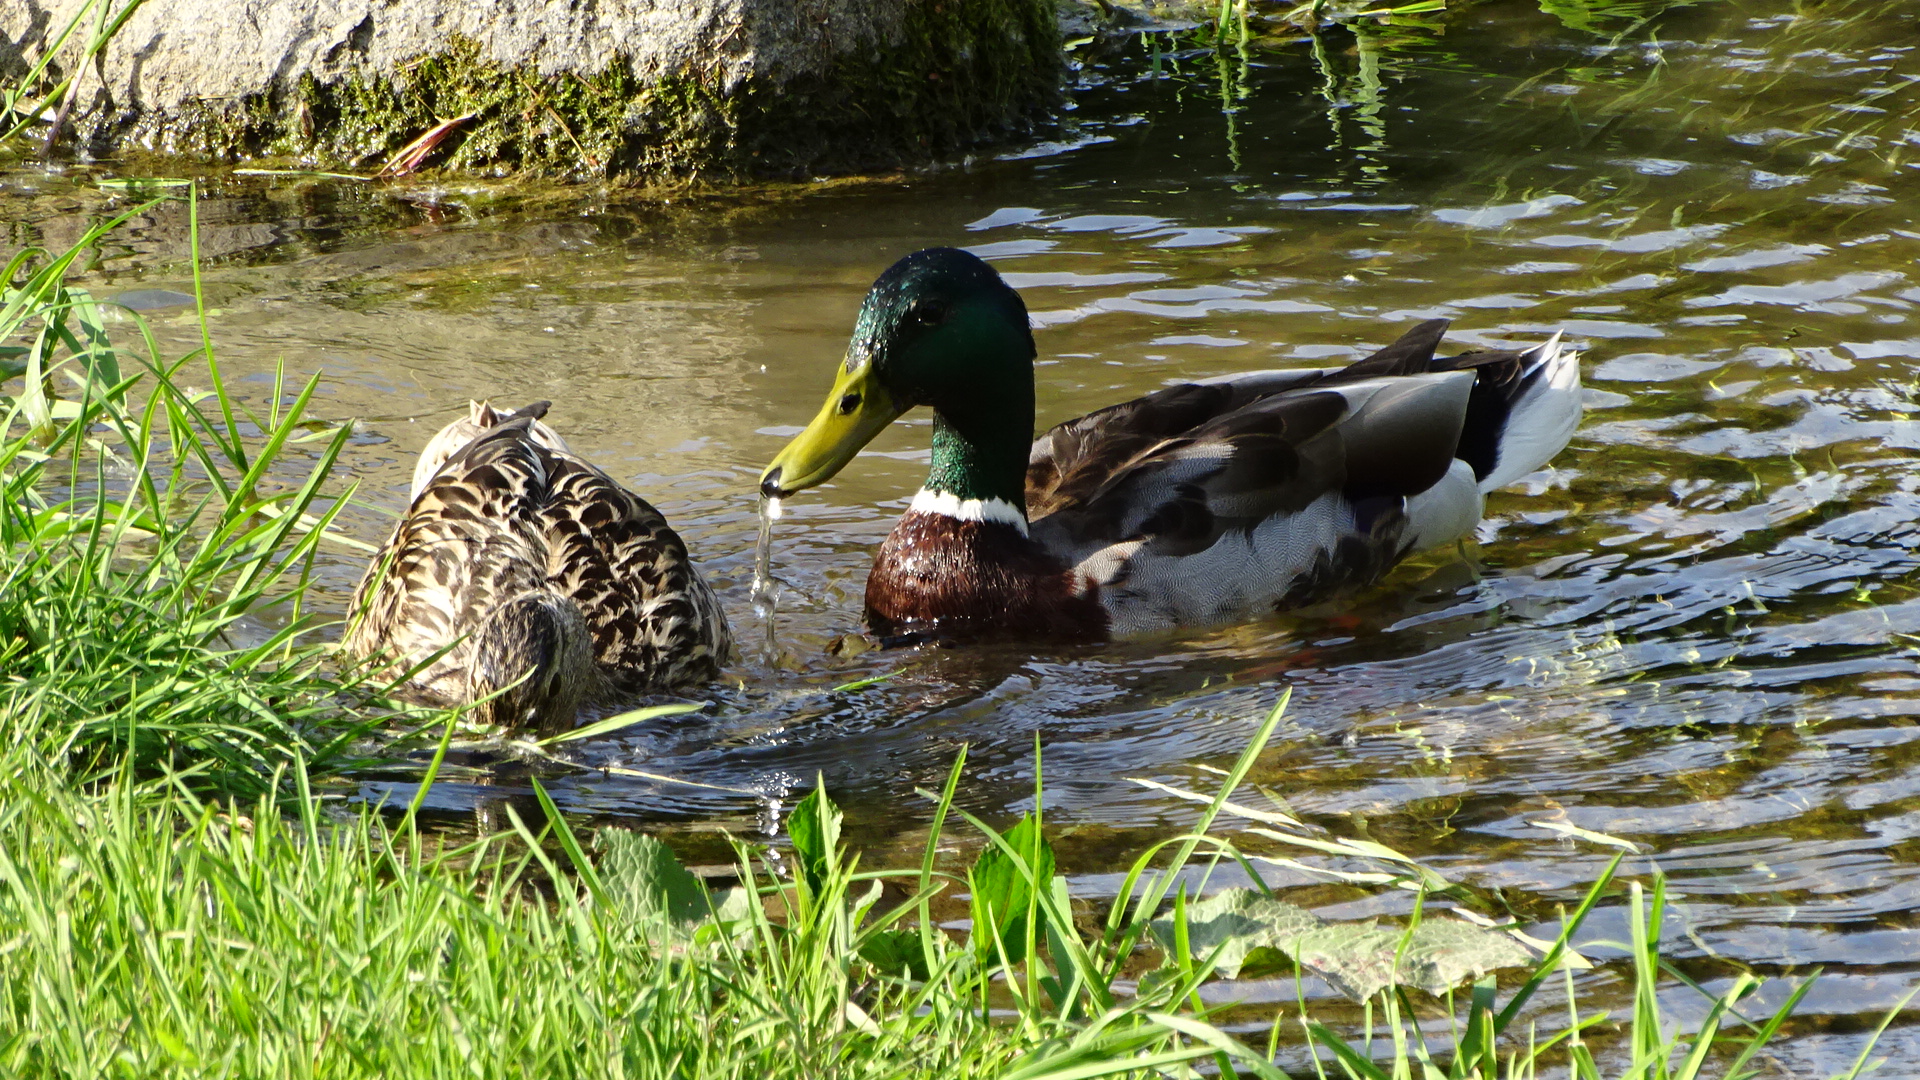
[(708, 88)]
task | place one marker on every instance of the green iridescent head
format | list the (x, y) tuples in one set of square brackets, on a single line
[(941, 329)]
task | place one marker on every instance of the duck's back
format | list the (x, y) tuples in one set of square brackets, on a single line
[(511, 517), (1219, 500)]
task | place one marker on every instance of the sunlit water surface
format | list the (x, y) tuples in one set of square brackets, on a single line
[(1694, 631)]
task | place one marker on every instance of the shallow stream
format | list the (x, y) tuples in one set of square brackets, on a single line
[(1695, 631)]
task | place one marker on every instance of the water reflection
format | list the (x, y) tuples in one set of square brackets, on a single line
[(1696, 630)]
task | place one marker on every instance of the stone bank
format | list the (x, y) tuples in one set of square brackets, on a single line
[(647, 89)]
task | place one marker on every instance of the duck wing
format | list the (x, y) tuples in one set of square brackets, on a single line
[(1180, 467), (655, 621), (1074, 459), (1364, 441), (1212, 501)]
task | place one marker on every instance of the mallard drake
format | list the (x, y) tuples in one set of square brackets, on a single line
[(1205, 502), (524, 578)]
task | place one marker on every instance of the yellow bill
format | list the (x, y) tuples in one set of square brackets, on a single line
[(857, 410)]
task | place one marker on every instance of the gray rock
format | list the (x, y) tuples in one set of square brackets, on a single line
[(568, 87)]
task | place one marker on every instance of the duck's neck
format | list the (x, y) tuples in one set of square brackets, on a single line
[(979, 468)]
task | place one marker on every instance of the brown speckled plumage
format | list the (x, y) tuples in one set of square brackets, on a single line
[(520, 558)]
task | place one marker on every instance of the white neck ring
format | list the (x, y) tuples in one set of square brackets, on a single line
[(947, 504)]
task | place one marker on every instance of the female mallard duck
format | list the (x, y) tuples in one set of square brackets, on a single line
[(1204, 502), (524, 578)]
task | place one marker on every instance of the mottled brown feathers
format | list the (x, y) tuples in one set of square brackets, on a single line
[(520, 561), (941, 577)]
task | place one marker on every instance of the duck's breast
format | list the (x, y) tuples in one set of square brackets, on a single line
[(942, 576)]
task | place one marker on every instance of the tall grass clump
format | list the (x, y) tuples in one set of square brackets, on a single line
[(144, 527)]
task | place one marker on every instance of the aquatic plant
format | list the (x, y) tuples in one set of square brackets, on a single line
[(1353, 46)]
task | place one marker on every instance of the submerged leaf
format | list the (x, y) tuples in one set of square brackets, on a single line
[(1569, 829), (1255, 934), (646, 880), (1447, 952), (1238, 922)]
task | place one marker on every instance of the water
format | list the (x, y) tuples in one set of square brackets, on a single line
[(765, 591), (1695, 631)]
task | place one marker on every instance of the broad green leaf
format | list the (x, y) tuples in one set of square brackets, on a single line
[(1151, 983), (644, 878), (731, 906), (1568, 957), (814, 828), (1446, 952), (1002, 892), (1357, 959)]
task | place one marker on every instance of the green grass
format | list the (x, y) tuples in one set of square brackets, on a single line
[(148, 933), (145, 527), (185, 892)]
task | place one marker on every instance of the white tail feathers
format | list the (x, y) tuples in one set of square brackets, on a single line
[(1543, 417)]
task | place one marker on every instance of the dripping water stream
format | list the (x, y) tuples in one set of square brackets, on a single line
[(766, 590)]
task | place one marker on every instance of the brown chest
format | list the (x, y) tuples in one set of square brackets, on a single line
[(948, 578)]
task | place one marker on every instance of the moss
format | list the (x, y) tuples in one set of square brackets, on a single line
[(966, 71), (963, 72)]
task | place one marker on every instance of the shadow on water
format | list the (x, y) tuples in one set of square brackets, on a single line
[(1696, 630)]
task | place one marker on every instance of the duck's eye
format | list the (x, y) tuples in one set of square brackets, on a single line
[(848, 403), (929, 313)]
